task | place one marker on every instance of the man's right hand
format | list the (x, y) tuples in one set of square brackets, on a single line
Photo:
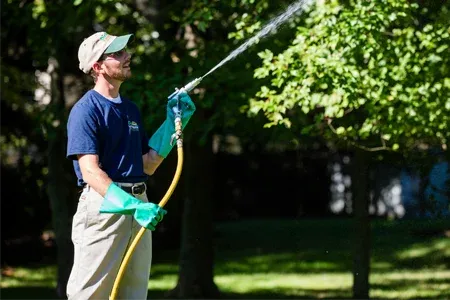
[(160, 141), (187, 106)]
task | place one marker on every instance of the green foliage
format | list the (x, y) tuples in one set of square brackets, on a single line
[(364, 72)]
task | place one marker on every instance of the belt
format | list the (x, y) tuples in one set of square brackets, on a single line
[(136, 189)]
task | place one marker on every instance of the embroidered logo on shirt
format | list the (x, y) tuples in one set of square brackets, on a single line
[(133, 126)]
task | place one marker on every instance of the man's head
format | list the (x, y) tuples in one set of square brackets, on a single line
[(105, 54)]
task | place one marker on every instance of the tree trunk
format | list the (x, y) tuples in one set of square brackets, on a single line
[(196, 254), (58, 189), (361, 259)]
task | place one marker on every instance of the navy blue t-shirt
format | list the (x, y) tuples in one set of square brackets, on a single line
[(113, 130)]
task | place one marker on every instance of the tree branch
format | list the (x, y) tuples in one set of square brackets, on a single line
[(374, 149)]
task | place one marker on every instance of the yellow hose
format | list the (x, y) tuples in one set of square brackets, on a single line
[(163, 202)]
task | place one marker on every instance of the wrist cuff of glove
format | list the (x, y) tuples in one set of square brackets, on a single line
[(160, 140)]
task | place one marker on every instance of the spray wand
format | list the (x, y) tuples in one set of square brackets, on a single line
[(187, 88)]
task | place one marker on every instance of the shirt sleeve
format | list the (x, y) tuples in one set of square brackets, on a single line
[(82, 131)]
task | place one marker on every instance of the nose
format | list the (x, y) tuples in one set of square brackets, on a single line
[(127, 55)]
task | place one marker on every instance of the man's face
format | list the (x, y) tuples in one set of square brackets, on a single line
[(116, 65)]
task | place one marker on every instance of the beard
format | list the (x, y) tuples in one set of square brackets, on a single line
[(120, 74)]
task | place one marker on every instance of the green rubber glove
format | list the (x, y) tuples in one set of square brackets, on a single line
[(160, 140), (117, 201)]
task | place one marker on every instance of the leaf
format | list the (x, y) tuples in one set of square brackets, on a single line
[(340, 130)]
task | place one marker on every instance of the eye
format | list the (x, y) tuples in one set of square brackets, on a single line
[(115, 55), (118, 53)]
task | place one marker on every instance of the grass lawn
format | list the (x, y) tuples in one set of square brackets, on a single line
[(296, 259)]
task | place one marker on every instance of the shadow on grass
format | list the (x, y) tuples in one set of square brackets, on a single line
[(430, 286), (275, 296), (285, 246), (326, 245), (303, 294), (49, 294), (28, 293)]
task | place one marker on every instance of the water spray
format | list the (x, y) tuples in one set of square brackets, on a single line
[(265, 31)]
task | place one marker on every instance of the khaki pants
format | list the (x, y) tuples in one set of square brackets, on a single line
[(101, 241)]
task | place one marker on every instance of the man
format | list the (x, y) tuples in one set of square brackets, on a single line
[(112, 158)]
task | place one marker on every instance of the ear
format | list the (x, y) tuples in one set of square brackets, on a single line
[(97, 67)]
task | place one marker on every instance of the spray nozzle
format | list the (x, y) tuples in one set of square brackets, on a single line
[(191, 85), (187, 88)]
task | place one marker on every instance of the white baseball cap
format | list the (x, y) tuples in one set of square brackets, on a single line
[(92, 48)]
